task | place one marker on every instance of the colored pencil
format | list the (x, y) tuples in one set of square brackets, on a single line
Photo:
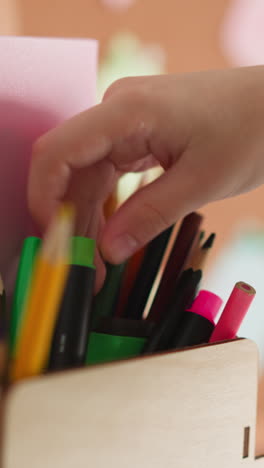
[(182, 249), (184, 294), (26, 265), (132, 267), (234, 312), (130, 273), (199, 260), (3, 333), (111, 203), (45, 294), (146, 275), (160, 272)]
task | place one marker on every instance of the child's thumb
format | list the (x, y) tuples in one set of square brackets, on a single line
[(150, 211)]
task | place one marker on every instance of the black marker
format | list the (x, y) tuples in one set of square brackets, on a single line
[(198, 322), (124, 327), (71, 334)]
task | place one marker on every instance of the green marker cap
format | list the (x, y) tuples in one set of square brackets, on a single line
[(104, 348), (83, 251)]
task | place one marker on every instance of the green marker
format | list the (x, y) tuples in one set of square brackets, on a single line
[(104, 348), (117, 338), (29, 252), (106, 299), (69, 343)]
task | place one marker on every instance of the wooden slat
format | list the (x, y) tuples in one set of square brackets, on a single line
[(186, 409)]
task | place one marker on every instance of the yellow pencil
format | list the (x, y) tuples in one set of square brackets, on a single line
[(44, 298)]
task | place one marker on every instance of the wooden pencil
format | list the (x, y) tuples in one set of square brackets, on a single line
[(160, 272), (131, 269), (184, 293), (199, 259), (129, 276), (139, 294), (111, 203), (176, 263), (45, 294)]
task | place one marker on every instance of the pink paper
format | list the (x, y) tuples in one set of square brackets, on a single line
[(42, 83)]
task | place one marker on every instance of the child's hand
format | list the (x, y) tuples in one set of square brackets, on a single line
[(205, 129)]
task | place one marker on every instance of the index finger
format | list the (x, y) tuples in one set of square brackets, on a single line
[(105, 130)]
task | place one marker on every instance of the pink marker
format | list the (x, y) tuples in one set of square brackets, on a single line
[(197, 323), (206, 304), (234, 312)]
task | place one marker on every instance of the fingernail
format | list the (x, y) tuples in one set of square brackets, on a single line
[(123, 247)]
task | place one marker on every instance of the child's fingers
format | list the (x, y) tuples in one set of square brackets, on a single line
[(151, 210), (100, 272), (115, 127)]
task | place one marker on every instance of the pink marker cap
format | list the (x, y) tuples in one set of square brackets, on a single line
[(206, 304)]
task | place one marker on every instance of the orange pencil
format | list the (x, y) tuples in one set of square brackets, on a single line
[(111, 203), (132, 268), (44, 298), (129, 276)]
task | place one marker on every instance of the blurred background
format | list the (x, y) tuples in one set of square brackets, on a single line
[(139, 37)]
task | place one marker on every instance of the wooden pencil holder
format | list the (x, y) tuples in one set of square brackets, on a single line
[(194, 408)]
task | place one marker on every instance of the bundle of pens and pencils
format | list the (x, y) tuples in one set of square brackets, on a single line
[(152, 303)]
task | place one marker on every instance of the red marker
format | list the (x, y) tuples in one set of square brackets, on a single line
[(234, 312)]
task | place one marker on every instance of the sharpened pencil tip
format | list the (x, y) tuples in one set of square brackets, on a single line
[(209, 242)]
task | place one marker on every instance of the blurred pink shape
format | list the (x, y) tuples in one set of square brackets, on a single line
[(118, 3), (43, 82), (243, 32)]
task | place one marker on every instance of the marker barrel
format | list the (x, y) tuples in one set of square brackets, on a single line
[(69, 343), (193, 330), (197, 324)]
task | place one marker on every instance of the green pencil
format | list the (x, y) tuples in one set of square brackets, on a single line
[(3, 334), (25, 268)]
